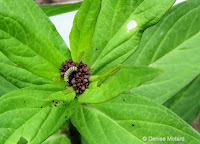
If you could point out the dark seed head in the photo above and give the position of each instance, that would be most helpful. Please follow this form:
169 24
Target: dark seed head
78 79
73 81
83 88
62 74
85 81
63 64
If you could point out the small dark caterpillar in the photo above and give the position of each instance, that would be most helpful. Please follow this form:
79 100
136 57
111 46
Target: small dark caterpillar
68 72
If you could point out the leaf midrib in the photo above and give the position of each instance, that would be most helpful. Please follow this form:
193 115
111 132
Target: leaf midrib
12 18
152 60
167 126
168 32
79 36
47 116
156 31
101 113
86 123
22 125
114 37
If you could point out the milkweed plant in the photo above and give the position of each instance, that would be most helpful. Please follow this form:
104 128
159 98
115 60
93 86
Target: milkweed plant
131 75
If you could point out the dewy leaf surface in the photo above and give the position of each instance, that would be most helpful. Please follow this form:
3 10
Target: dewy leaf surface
127 78
30 48
100 29
172 45
186 103
51 10
112 122
27 113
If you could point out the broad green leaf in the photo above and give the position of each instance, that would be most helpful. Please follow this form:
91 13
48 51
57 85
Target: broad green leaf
16 75
6 86
64 95
101 29
172 45
127 78
186 103
51 10
127 119
27 113
57 139
33 16
83 28
30 48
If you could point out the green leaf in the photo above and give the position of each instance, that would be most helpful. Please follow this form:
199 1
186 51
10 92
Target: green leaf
172 45
57 139
37 19
100 29
186 103
64 95
83 28
27 113
17 75
51 10
127 119
31 50
127 78
6 86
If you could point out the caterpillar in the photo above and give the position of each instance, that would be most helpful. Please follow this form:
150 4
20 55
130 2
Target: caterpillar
68 72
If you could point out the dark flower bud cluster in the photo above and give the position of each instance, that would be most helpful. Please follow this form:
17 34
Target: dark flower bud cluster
78 79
